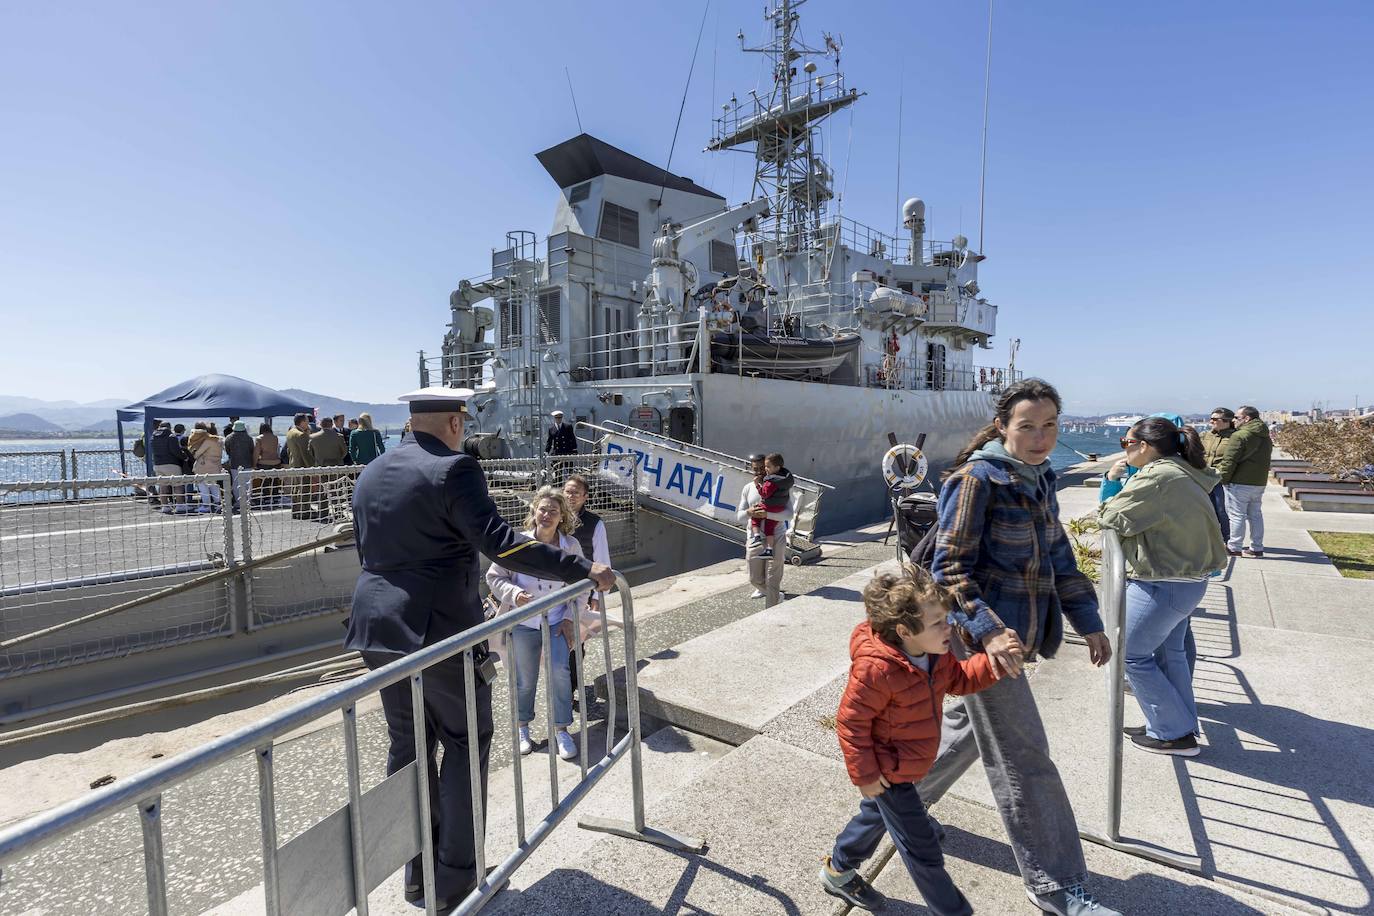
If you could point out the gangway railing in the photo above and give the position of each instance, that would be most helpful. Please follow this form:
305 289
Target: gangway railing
331 867
711 508
1113 609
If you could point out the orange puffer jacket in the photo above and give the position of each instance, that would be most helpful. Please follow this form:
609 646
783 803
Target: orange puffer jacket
889 718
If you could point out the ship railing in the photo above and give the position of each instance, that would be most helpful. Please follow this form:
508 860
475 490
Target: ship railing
659 349
806 90
61 467
333 865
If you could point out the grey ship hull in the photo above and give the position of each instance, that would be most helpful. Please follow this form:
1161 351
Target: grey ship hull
837 434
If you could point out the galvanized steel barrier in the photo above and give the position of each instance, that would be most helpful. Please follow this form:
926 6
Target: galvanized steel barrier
332 866
1112 591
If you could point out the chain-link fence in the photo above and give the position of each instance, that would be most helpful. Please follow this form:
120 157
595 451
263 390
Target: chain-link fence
291 508
61 561
512 482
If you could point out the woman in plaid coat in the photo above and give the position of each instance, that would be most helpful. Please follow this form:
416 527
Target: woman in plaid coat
1001 549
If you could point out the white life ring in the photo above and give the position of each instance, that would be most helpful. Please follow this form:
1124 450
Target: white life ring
912 459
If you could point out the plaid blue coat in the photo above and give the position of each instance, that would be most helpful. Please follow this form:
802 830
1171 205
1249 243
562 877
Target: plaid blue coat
1002 550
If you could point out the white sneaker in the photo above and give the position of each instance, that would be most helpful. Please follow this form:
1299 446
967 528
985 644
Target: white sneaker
756 593
525 744
567 748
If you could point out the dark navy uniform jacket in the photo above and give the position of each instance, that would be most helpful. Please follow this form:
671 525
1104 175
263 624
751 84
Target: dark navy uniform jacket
422 513
561 440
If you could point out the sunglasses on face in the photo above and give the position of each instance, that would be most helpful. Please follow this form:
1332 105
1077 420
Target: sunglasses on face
1127 442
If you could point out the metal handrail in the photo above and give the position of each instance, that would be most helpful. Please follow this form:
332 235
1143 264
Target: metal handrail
1113 607
145 789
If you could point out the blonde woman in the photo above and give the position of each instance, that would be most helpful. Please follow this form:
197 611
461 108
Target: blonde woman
551 520
365 443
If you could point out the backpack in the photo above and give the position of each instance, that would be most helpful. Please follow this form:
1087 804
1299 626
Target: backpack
285 455
140 450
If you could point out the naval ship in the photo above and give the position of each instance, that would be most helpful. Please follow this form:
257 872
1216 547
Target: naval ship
768 325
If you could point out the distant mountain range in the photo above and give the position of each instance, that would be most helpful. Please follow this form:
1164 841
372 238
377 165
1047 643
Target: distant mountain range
23 415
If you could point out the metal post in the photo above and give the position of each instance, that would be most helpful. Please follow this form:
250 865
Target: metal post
246 480
62 459
581 689
267 810
547 639
511 690
421 728
226 507
479 833
355 810
1113 588
154 865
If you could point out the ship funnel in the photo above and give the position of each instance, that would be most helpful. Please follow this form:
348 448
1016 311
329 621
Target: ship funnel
914 218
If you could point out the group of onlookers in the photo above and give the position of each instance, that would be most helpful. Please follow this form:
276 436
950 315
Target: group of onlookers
989 591
332 442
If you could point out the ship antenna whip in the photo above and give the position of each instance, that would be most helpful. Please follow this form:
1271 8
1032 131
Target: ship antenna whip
901 97
681 108
983 172
574 100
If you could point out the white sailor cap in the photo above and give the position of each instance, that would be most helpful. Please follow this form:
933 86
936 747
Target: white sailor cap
438 399
556 413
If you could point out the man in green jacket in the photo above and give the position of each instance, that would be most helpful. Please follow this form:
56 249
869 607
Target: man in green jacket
1244 469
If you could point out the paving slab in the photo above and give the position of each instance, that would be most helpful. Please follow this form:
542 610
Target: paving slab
1278 802
730 682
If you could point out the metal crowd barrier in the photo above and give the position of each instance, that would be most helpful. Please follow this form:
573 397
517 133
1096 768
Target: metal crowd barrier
1112 589
333 865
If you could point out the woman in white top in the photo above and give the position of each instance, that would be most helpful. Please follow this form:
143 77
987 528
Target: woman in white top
551 520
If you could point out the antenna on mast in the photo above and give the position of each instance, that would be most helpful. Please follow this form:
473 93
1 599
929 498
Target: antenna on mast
983 171
574 100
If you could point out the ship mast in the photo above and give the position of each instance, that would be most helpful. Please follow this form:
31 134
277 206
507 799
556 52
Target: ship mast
788 167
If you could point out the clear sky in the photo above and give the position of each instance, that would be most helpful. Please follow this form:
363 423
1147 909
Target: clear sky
1179 195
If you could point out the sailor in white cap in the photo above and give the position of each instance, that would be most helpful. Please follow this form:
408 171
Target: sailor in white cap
422 513
561 439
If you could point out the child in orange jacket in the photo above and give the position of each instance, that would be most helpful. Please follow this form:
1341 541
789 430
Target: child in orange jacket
889 730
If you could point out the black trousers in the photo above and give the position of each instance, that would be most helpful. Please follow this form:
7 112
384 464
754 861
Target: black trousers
450 785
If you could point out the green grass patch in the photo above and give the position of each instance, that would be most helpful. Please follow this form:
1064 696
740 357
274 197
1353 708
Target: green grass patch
1353 554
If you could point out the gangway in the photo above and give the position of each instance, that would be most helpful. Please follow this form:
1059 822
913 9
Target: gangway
695 486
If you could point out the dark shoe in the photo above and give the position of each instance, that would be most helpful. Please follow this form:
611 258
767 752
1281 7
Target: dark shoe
415 892
766 553
1252 554
1232 553
856 891
1071 901
1179 747
1133 731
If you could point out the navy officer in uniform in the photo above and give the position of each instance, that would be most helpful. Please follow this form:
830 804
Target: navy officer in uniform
422 513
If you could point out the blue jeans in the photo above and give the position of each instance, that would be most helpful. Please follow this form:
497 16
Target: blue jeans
1157 621
527 643
900 812
1243 505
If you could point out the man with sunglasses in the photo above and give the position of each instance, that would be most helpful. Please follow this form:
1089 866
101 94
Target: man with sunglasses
1221 424
1244 469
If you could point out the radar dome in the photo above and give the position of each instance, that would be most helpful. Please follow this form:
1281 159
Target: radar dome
913 210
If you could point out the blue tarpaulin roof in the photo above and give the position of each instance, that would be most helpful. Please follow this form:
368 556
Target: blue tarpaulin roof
215 396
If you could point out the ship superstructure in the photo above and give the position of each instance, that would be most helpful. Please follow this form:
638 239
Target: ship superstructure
774 324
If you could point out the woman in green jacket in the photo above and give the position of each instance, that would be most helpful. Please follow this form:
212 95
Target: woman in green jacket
1172 543
365 443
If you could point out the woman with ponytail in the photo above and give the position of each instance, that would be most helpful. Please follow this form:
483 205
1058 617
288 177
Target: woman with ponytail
1172 543
1001 549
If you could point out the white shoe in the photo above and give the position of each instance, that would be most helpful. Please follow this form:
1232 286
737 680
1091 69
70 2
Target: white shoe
756 593
525 745
567 749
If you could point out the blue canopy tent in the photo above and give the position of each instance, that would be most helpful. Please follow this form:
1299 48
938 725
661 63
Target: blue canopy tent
204 396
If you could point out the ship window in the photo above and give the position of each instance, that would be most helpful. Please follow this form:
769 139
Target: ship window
580 192
723 258
619 224
551 316
510 323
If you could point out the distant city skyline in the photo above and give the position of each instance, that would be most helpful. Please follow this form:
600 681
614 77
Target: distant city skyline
1177 214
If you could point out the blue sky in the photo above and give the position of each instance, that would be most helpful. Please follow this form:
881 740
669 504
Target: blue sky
1178 212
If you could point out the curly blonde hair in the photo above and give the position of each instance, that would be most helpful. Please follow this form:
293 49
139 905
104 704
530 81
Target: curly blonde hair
897 599
568 524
